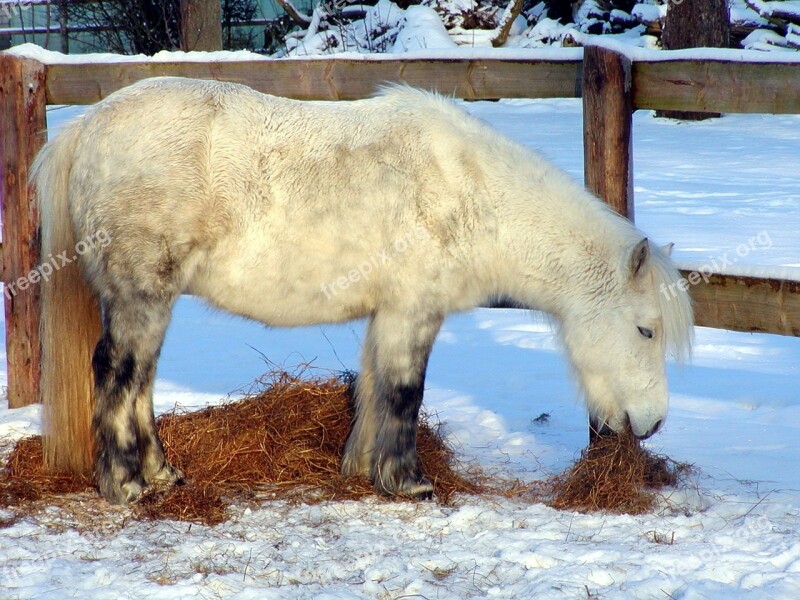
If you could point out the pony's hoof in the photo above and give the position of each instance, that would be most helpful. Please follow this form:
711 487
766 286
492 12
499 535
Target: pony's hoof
167 476
123 494
412 489
420 490
132 491
352 466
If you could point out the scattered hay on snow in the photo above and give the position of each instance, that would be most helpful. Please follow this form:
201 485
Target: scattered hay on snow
285 441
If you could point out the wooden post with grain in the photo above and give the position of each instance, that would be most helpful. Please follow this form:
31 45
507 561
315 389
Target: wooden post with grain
608 126
23 125
607 137
201 25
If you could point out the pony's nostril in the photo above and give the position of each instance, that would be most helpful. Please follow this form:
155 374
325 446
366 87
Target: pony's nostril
652 430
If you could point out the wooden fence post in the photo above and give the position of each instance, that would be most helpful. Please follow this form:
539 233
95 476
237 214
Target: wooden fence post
23 124
607 136
607 127
201 25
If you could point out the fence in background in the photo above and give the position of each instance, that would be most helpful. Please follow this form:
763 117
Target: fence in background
611 84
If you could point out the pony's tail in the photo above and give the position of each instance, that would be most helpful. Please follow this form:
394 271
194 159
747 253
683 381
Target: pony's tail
70 323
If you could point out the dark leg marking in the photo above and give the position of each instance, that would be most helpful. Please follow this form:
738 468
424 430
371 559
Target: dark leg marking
155 468
117 464
403 361
396 468
129 453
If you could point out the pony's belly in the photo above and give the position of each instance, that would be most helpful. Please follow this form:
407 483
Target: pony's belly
278 305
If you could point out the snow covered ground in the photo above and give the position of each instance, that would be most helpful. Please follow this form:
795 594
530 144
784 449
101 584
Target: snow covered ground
721 190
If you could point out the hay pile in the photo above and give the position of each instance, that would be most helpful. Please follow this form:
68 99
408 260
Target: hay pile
285 440
26 480
615 474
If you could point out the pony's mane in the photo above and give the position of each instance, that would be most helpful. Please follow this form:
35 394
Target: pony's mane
674 304
405 93
405 97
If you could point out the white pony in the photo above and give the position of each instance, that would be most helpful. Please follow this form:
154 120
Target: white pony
399 209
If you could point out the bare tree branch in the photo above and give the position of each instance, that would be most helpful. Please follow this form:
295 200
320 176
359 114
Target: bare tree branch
510 14
295 14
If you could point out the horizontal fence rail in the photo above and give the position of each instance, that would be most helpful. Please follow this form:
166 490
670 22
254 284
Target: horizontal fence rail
717 86
332 79
612 85
742 303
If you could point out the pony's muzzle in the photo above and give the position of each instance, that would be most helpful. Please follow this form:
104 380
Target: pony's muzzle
600 428
639 432
651 431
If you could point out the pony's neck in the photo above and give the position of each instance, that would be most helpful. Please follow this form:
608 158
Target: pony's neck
558 242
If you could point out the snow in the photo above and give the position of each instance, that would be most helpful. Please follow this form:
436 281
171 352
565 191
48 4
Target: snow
732 268
50 57
784 7
720 189
764 40
425 38
423 30
647 13
543 33
621 45
506 15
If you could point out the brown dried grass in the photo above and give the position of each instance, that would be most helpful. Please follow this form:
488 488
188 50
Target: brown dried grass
615 474
285 439
27 480
284 442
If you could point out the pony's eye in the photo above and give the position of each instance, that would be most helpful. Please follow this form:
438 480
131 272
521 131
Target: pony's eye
648 333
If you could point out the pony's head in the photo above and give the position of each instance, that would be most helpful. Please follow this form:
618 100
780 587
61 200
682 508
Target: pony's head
628 312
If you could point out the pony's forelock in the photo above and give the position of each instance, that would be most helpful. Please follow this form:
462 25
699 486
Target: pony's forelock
674 303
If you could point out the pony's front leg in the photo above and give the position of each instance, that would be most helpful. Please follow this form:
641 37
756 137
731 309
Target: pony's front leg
401 344
357 458
395 470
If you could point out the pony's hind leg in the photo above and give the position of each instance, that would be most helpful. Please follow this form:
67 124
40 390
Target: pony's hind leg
155 468
385 435
129 454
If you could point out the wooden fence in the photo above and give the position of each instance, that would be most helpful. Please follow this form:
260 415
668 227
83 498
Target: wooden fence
612 87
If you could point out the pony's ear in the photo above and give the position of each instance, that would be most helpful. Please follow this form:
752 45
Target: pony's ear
668 248
639 255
